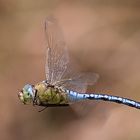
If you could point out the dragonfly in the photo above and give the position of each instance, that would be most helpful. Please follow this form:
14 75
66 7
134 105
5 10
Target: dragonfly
62 86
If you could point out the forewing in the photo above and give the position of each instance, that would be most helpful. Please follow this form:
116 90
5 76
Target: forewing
57 57
58 68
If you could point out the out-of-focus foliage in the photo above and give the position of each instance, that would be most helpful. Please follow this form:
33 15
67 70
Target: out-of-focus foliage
103 36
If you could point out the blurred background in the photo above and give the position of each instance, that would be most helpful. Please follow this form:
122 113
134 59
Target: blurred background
103 36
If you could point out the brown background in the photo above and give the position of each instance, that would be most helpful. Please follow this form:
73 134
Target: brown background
102 35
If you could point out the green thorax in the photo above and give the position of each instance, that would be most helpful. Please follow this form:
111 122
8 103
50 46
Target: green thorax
50 95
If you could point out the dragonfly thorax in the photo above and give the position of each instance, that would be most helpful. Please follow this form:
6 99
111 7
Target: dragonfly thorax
49 94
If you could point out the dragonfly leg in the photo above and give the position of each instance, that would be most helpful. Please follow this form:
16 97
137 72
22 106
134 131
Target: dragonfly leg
53 105
35 99
42 109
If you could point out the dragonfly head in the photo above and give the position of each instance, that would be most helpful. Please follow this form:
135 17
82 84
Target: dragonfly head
26 95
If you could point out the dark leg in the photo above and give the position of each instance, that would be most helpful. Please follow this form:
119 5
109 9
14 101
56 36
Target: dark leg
34 100
42 109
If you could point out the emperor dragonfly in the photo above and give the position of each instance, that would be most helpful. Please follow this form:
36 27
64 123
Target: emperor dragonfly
60 88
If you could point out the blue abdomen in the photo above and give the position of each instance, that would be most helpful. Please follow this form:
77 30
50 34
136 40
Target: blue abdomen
75 96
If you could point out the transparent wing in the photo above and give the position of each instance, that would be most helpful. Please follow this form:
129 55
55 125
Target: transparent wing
57 57
80 81
59 70
87 78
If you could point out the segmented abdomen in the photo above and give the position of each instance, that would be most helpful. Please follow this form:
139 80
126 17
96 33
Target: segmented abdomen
75 96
